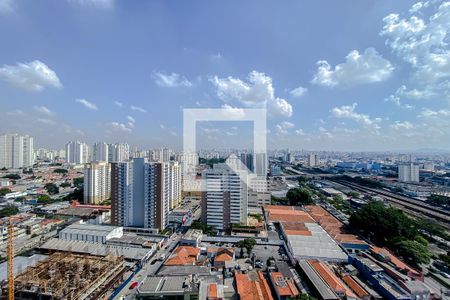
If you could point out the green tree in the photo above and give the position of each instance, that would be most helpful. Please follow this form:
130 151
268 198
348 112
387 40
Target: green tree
4 191
383 225
413 252
353 194
45 199
60 171
207 229
247 243
299 196
65 184
51 188
78 182
12 176
8 210
431 227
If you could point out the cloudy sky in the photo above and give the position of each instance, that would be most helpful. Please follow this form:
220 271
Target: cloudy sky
333 75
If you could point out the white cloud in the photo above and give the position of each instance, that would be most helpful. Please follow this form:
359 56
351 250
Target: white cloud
46 121
348 112
422 44
406 125
6 6
283 127
43 110
120 127
172 80
367 67
137 108
95 3
31 76
87 104
414 93
396 100
300 131
429 113
16 112
118 104
131 119
257 92
233 112
298 92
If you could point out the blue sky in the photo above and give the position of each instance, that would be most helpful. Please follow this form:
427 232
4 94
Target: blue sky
333 75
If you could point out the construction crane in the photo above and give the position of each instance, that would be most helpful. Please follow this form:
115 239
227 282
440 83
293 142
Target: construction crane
10 254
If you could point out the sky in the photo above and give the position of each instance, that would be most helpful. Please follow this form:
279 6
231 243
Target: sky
333 75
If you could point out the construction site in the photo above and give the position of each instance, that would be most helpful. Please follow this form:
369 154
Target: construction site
70 276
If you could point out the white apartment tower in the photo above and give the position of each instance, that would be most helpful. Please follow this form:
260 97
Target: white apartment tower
118 152
408 173
140 194
97 182
100 152
174 184
313 160
225 200
77 152
16 151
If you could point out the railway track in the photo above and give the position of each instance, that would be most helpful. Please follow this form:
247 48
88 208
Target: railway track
411 204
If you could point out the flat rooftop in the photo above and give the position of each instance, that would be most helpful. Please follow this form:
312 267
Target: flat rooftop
167 285
97 249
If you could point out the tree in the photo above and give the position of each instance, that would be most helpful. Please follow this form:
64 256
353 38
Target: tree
302 180
4 191
207 229
78 182
64 184
60 171
431 227
413 252
45 199
12 176
299 196
247 243
353 194
8 210
383 225
51 188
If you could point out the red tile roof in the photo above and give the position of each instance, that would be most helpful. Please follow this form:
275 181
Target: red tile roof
253 290
285 287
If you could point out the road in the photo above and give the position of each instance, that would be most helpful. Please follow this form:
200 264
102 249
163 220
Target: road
148 268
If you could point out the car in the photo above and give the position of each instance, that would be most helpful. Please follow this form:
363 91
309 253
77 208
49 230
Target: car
133 285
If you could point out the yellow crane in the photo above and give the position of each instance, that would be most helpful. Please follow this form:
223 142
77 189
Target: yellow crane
10 254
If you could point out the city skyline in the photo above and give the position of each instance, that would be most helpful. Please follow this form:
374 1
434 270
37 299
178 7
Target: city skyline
116 72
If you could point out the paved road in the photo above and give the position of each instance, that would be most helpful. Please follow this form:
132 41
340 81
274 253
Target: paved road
148 268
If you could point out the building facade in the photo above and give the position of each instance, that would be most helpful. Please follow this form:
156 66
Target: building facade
140 194
77 153
97 182
408 173
16 151
225 200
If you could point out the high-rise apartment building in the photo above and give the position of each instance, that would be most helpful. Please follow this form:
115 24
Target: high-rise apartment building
313 160
225 200
140 194
174 184
16 151
100 152
77 152
97 182
408 173
247 160
119 152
